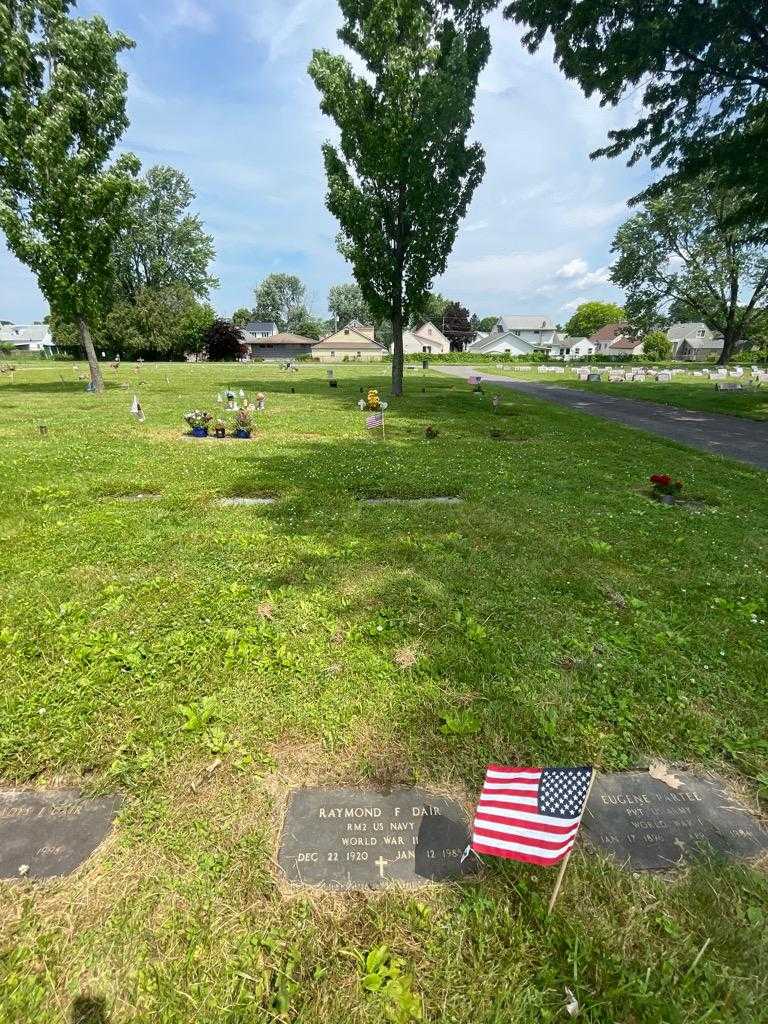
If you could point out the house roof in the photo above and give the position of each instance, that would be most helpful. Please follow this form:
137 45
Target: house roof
715 344
626 344
526 323
353 336
677 332
493 339
24 334
428 332
260 326
284 338
610 332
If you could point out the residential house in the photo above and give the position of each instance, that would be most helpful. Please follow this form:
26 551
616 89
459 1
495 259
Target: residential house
537 331
277 346
694 341
610 340
427 340
261 328
28 338
355 341
568 349
506 343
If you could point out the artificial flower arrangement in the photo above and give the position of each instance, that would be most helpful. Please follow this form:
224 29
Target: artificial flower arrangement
220 428
244 421
261 401
199 421
663 486
373 401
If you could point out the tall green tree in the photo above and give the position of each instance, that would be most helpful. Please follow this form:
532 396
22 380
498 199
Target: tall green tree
281 299
346 302
402 175
656 346
431 308
242 315
687 247
163 244
699 68
62 111
591 316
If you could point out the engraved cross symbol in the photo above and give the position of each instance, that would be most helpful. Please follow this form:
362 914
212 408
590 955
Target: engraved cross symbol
381 864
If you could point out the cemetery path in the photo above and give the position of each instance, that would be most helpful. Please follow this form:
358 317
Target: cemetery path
733 438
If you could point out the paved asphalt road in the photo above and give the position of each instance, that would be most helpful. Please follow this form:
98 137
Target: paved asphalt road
729 436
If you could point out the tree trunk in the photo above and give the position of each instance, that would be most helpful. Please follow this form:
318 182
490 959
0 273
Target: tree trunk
90 353
731 339
397 353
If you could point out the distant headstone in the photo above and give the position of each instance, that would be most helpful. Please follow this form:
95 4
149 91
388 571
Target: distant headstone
664 377
646 825
329 374
45 834
728 385
359 839
594 378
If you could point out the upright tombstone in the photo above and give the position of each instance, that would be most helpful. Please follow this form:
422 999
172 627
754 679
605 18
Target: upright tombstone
594 378
647 824
664 377
365 839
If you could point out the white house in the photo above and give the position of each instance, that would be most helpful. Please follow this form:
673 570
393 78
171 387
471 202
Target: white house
567 349
506 343
538 331
428 339
355 341
28 338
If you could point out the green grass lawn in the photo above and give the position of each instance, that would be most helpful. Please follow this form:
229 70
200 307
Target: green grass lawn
202 660
687 393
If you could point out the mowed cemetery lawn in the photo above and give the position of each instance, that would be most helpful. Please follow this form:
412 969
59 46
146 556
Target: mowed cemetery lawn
684 392
201 660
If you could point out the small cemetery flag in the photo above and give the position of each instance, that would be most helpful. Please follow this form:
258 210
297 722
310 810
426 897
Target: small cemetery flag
136 410
474 381
377 420
530 814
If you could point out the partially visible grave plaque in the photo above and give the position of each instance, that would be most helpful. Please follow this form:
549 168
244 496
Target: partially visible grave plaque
47 834
648 826
359 839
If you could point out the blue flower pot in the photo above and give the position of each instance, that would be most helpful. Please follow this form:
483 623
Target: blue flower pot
199 431
244 434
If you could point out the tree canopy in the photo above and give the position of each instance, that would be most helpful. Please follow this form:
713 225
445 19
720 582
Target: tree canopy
657 346
456 326
684 247
487 323
222 341
346 303
402 175
699 68
62 111
281 299
591 316
163 244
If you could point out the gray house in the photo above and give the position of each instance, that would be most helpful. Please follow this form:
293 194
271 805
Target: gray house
277 346
694 341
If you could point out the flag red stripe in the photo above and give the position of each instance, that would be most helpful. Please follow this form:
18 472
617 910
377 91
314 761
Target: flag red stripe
510 805
513 771
527 858
541 824
517 837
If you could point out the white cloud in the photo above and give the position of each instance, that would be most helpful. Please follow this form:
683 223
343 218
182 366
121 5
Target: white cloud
574 303
574 268
182 14
595 277
479 225
593 215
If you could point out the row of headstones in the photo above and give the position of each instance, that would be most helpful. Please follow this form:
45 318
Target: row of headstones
357 839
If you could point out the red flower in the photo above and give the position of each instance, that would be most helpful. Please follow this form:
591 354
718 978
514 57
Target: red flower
661 479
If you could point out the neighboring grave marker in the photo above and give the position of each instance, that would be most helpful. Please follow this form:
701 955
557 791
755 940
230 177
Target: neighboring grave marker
362 839
649 826
51 833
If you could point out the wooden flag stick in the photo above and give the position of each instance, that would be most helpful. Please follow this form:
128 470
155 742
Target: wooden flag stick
567 857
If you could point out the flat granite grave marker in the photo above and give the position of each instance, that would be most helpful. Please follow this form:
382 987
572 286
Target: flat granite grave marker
48 834
361 839
644 823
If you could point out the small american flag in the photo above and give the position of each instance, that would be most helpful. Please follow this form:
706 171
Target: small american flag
530 814
377 420
475 381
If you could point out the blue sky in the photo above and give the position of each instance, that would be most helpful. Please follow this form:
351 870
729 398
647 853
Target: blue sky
218 88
